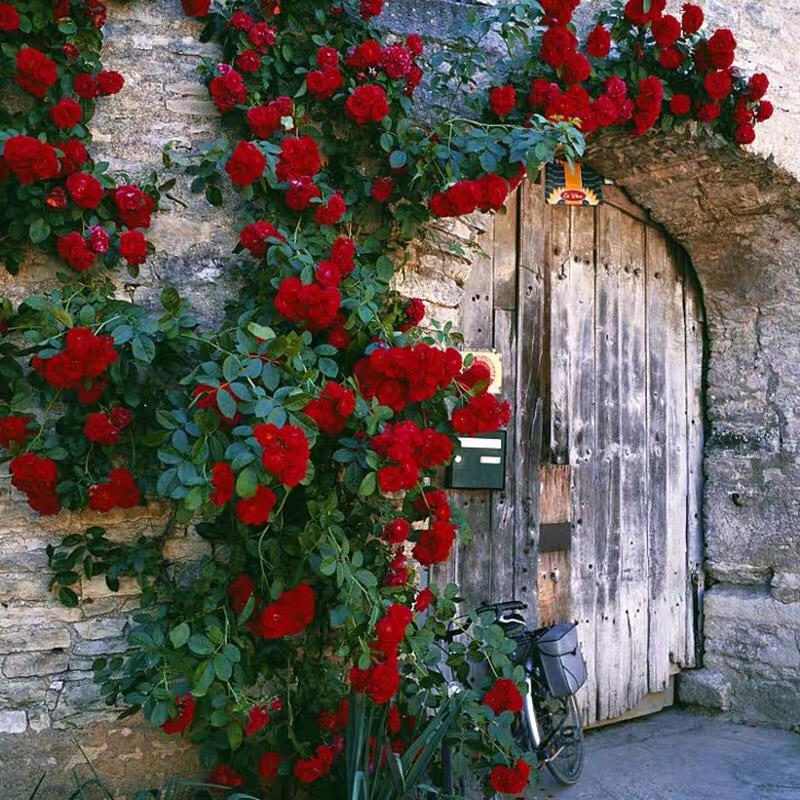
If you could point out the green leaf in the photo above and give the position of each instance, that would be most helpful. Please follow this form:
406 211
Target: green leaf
246 483
179 635
222 666
200 645
38 231
367 486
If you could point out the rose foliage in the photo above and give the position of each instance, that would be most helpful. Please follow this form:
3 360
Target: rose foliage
303 437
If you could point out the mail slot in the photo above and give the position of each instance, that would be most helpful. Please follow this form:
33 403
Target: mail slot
479 462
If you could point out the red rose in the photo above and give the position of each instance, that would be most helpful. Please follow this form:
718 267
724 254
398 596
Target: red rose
367 103
133 247
133 206
195 8
71 51
72 248
342 254
721 47
670 58
598 42
510 780
66 113
367 54
227 89
300 193
109 82
268 765
85 190
370 8
382 683
335 720
122 483
332 211
692 18
102 497
262 35
299 158
557 43
253 237
246 164
96 12
184 714
29 159
541 91
327 56
680 104
396 531
482 414
650 94
575 69
285 451
223 775
9 18
289 615
744 134
255 510
502 99
308 770
666 30
313 306
503 696
765 111
323 83
248 61
106 427
264 120
332 408
73 156
434 543
757 85
717 84
13 430
257 718
708 112
240 590
85 85
396 61
635 12
414 312
414 44
424 599
391 628
222 479
36 73
459 199
242 21
381 189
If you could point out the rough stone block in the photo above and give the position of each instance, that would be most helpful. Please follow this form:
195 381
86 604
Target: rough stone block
102 627
13 722
19 639
24 665
704 688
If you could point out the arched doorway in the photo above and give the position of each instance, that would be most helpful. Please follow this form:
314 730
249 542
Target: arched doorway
597 318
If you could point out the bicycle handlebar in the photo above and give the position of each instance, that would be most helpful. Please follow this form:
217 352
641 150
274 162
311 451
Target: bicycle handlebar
508 605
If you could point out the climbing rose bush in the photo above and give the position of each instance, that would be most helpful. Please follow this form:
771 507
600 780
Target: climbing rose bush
302 438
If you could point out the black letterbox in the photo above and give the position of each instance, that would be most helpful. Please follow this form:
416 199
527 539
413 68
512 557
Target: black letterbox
479 462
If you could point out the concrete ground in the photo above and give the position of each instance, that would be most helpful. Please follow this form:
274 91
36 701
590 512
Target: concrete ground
682 755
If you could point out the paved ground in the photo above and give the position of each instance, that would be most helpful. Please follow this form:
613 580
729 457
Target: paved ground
680 755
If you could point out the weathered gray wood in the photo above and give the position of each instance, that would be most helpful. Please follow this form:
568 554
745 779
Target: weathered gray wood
559 265
613 656
555 493
633 594
580 343
658 292
530 385
694 449
505 256
675 370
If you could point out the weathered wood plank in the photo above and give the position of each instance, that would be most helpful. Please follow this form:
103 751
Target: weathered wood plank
612 653
677 460
529 388
559 265
580 344
658 269
633 604
694 449
505 256
553 586
555 493
470 565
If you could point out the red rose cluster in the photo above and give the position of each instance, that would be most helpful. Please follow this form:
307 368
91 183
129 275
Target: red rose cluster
410 449
30 159
13 430
266 119
255 510
487 193
380 681
483 413
307 770
435 542
37 477
310 305
105 427
184 714
119 491
224 775
289 615
413 313
245 164
227 88
284 453
80 364
398 376
332 408
367 103
35 72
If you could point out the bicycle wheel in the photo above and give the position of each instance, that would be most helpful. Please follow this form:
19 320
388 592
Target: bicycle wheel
564 753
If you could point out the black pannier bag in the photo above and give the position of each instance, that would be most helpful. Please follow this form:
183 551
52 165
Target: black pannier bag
559 657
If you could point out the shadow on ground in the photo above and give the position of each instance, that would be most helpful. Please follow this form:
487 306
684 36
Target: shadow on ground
681 755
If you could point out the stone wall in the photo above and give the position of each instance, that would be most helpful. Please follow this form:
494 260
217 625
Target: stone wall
737 216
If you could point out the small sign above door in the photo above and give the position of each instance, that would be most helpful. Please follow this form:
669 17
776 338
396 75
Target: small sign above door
575 185
492 360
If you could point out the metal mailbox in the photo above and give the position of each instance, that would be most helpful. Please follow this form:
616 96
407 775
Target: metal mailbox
479 462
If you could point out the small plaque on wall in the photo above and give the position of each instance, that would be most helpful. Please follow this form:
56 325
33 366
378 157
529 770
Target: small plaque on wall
575 185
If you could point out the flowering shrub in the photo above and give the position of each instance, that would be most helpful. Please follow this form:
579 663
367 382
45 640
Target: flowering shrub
302 436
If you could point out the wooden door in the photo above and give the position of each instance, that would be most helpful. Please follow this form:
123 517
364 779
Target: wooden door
598 320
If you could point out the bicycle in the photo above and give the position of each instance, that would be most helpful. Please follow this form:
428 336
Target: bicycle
549 725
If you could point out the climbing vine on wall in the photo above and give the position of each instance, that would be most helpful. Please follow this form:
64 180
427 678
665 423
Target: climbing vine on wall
303 437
